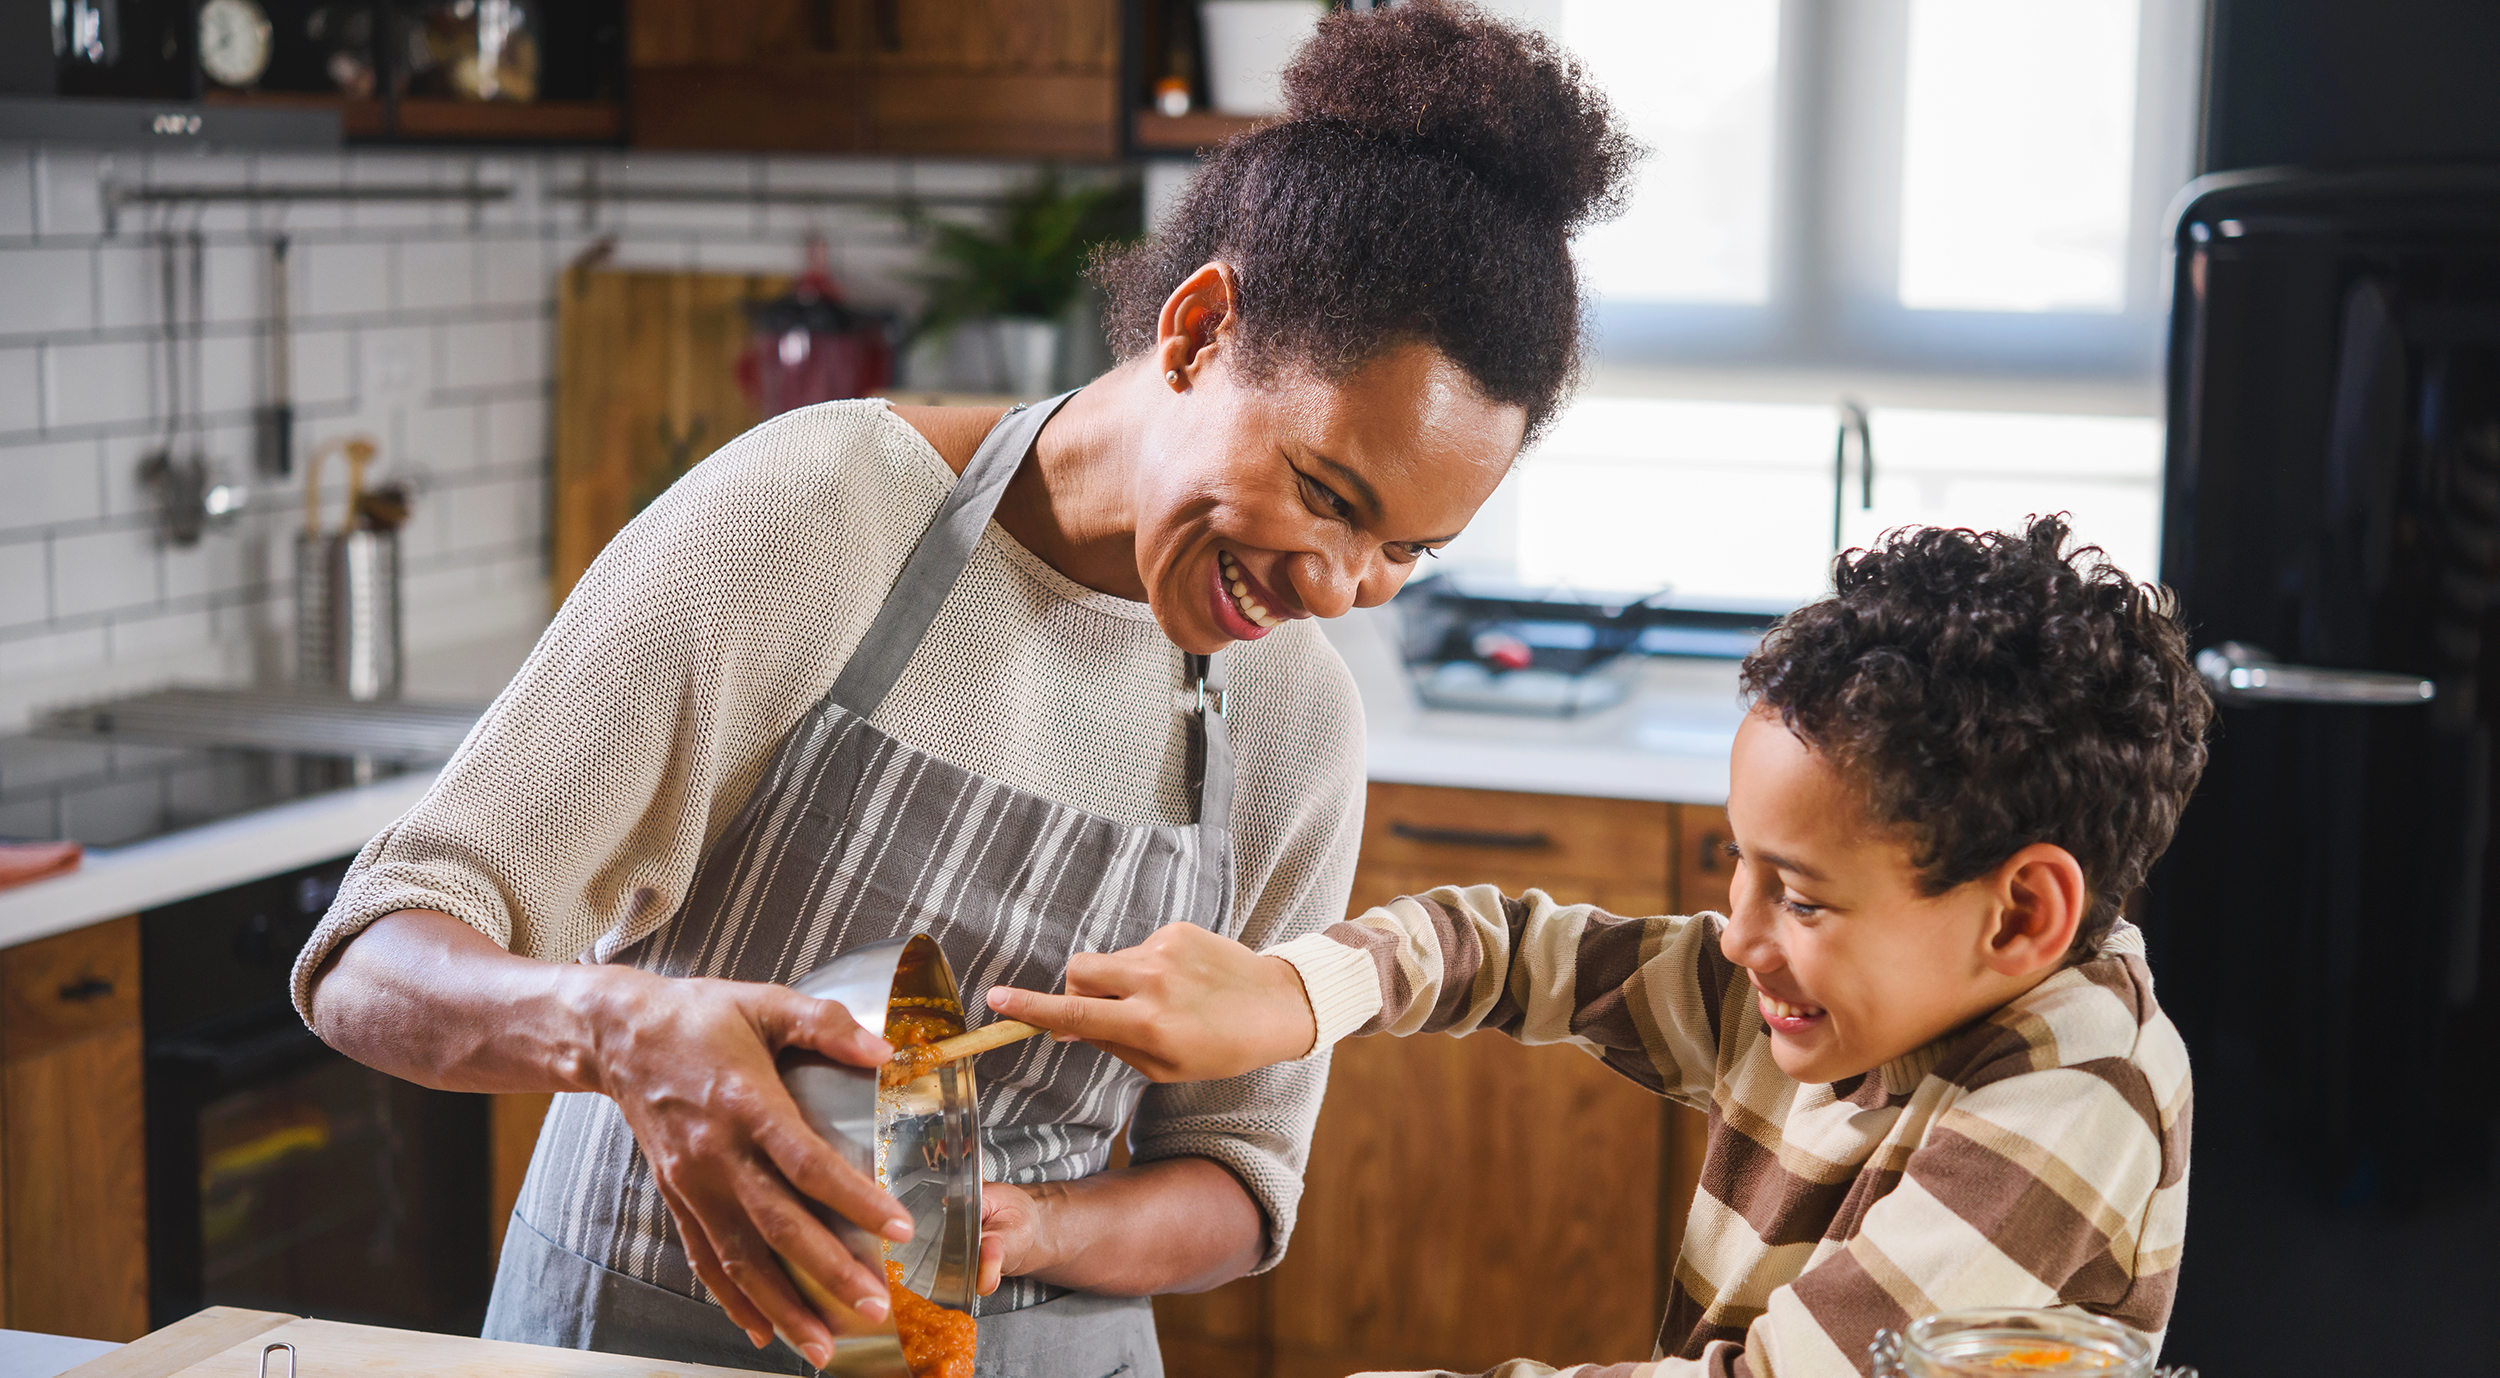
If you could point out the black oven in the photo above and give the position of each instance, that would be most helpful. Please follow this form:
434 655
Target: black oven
281 1175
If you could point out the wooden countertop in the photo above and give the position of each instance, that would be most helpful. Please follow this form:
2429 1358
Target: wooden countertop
226 1342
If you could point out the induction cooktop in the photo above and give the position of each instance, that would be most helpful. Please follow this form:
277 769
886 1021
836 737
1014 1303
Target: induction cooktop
111 794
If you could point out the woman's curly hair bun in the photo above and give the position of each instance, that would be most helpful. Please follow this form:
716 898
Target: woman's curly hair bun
1501 100
1422 187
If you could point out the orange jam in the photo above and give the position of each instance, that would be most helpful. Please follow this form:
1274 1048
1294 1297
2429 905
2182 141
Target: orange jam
938 1341
911 1032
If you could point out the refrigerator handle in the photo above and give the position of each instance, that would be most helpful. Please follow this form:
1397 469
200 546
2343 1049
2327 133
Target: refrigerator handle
2241 673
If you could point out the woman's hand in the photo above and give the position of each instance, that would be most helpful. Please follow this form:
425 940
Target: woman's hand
1010 1234
1184 1005
1173 1225
690 1064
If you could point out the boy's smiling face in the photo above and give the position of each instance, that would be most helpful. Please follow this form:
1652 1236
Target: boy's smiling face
1854 965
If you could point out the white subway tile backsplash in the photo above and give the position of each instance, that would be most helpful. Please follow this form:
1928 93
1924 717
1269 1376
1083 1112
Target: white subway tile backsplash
394 364
191 632
48 485
513 271
21 389
299 170
67 189
503 353
97 384
223 561
443 437
44 655
231 373
516 432
323 365
17 192
782 256
425 324
104 571
44 290
344 278
369 168
25 584
437 274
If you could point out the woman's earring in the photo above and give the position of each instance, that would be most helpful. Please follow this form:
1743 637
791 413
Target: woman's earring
1172 379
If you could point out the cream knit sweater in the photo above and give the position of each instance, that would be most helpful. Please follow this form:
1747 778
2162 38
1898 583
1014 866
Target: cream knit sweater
569 823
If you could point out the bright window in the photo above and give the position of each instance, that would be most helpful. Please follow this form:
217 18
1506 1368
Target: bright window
2017 144
1950 210
1696 81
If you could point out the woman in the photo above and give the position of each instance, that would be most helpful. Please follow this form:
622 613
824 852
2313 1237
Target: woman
815 697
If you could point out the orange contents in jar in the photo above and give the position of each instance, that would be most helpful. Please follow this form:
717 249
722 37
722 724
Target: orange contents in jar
938 1341
912 1032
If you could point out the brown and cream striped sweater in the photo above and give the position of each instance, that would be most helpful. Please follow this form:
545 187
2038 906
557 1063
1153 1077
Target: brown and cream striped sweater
2035 1158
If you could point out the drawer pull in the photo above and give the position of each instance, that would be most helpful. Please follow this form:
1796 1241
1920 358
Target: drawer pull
1713 853
87 988
1470 837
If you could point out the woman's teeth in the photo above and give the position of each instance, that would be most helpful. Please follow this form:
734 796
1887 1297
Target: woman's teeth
1781 1009
1250 607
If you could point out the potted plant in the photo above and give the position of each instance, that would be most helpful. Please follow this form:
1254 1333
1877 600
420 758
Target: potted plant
1011 281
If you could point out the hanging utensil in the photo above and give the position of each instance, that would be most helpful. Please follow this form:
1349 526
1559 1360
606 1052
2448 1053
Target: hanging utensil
178 473
277 416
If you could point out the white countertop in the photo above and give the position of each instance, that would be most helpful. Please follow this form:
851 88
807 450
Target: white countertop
114 881
1668 740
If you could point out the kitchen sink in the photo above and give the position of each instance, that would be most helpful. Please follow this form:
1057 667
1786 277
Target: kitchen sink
274 719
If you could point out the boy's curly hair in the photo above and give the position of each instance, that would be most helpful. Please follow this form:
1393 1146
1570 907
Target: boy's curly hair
1989 691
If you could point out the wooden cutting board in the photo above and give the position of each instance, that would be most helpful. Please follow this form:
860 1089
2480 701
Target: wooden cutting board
223 1342
646 384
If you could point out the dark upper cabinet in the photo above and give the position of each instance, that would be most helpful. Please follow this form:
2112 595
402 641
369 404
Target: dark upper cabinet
1019 78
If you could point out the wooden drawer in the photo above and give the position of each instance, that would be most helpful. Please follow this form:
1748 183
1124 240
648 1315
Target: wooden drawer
1703 869
60 989
1464 836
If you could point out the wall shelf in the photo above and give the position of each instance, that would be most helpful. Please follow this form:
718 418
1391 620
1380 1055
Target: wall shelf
428 120
1153 132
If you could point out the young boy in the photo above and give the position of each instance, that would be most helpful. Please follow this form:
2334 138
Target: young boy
1934 1069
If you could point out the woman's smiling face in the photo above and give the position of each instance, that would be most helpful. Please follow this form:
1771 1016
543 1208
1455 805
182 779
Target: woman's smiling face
1259 502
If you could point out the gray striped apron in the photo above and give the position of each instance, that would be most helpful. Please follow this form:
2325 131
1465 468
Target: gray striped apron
853 837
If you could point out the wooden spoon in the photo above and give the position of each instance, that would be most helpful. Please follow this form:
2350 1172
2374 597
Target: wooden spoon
909 1064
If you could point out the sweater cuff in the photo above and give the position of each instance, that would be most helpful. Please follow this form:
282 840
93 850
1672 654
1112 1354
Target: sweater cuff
1342 984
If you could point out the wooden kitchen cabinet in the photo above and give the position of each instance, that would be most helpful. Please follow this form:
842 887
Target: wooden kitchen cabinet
73 1149
997 78
1474 1200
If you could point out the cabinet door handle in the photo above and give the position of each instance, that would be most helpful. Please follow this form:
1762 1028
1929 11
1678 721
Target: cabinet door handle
1470 837
87 988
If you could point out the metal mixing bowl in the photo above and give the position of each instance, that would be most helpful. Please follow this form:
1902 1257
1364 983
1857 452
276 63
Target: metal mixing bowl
931 1131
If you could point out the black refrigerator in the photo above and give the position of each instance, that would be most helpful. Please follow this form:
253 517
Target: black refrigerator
2322 929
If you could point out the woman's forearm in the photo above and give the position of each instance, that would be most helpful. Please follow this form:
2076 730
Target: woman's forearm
427 998
1177 1225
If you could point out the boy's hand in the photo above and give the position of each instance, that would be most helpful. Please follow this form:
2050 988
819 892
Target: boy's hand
1184 1005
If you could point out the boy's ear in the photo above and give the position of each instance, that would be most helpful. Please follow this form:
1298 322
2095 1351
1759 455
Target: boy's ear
2041 898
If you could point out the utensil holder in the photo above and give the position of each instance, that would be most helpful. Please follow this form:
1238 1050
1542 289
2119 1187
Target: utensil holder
347 613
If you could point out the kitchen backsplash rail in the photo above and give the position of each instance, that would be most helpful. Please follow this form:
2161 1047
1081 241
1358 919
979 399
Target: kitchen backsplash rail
116 195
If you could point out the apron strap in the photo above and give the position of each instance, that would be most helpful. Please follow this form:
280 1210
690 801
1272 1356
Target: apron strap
939 560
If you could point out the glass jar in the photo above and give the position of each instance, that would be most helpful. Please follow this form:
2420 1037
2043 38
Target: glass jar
1994 1342
474 50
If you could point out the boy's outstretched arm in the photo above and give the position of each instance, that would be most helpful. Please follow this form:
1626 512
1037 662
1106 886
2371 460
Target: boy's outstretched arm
2061 1187
1640 994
